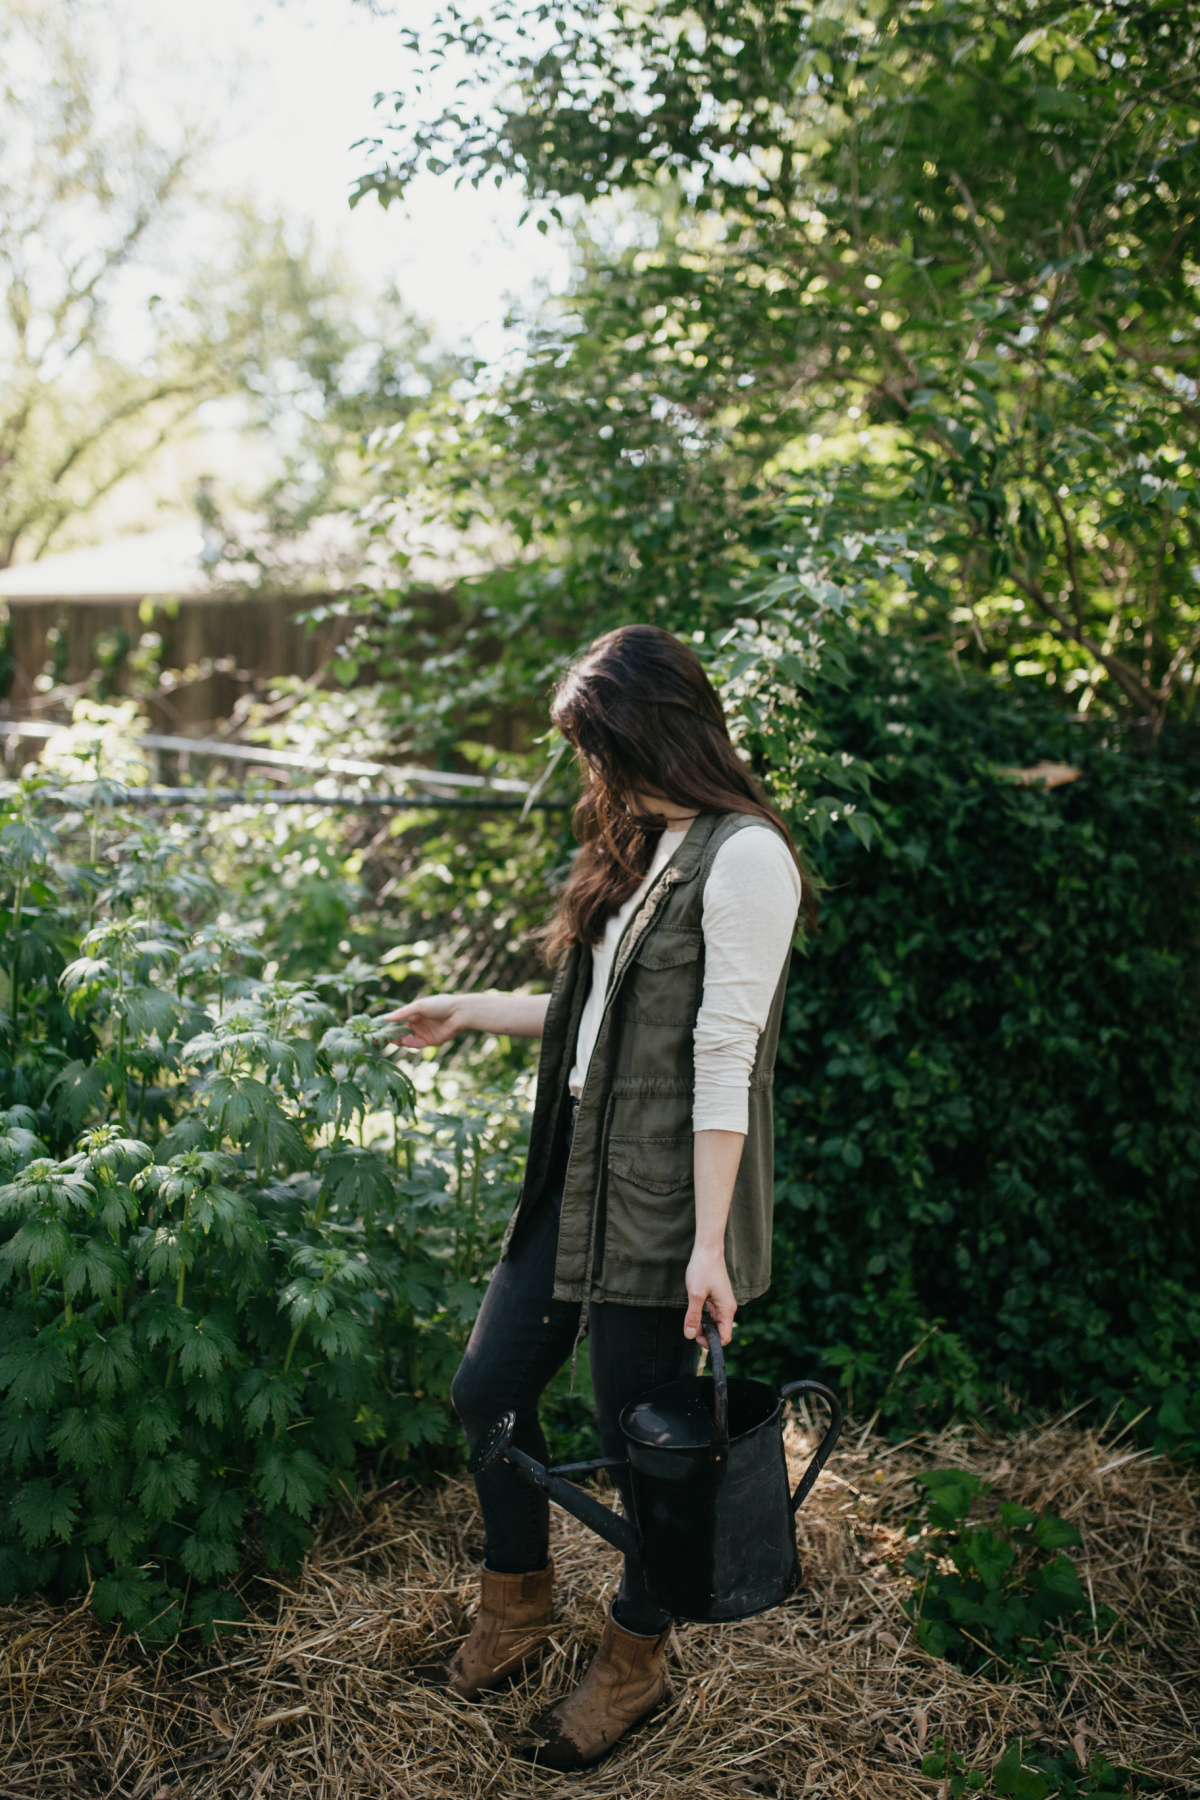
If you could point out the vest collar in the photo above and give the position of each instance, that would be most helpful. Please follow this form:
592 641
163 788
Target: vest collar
687 859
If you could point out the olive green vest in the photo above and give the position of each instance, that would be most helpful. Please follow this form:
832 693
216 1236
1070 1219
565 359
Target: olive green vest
628 1208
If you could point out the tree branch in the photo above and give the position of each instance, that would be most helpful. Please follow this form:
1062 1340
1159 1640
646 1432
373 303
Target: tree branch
1126 679
1072 567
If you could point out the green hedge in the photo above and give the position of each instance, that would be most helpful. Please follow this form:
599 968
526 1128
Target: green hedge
988 1091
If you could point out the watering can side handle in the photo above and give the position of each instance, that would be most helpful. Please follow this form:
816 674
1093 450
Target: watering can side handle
824 1449
719 1448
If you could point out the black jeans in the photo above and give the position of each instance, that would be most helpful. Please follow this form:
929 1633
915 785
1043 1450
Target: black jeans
522 1337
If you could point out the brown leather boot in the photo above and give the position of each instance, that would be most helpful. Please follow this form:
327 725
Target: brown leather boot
623 1686
510 1628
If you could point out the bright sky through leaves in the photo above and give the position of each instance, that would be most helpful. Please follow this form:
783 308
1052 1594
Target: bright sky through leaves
285 91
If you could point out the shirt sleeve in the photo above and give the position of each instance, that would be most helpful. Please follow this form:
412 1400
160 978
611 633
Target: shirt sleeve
751 901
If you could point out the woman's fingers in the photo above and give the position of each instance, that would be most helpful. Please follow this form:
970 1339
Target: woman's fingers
708 1285
417 1031
691 1323
425 1022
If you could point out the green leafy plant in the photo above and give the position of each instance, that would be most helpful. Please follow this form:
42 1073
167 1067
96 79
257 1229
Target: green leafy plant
997 1605
238 1260
1029 1774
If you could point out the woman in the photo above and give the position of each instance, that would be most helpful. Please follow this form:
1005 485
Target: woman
648 1186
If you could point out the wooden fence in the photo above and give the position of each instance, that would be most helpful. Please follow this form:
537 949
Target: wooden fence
213 650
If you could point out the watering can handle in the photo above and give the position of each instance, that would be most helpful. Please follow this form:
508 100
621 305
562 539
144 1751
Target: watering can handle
825 1447
719 1448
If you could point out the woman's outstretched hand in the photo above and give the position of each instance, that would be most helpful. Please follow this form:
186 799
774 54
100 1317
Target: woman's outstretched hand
708 1285
435 1018
431 1020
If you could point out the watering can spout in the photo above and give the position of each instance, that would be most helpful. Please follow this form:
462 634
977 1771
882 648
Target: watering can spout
497 1445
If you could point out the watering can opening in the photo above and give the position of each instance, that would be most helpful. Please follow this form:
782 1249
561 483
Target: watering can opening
683 1415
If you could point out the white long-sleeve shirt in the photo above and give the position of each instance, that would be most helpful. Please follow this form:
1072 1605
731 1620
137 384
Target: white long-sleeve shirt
751 901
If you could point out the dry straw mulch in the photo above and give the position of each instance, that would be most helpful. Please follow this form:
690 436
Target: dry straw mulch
826 1696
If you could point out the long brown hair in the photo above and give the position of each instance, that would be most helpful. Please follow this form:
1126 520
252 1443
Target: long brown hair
641 714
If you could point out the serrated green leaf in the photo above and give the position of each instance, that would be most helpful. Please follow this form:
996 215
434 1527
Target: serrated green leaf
165 1482
94 1265
110 1363
41 1246
209 1557
35 1370
217 1612
341 1334
269 1397
292 1479
1060 1590
155 1425
121 1529
87 1438
43 1509
22 1435
222 1511
127 1594
206 1347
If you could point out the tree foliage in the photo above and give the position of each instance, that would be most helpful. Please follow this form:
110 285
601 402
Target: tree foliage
949 253
113 331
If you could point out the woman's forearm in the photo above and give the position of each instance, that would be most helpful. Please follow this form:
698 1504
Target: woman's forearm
504 1015
716 1158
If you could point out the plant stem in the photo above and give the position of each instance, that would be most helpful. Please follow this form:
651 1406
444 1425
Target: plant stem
122 1101
18 902
93 839
291 1349
187 1207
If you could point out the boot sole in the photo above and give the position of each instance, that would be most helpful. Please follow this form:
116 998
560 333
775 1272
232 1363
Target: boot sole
534 1753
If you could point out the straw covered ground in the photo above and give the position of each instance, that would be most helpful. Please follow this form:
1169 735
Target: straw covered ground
828 1695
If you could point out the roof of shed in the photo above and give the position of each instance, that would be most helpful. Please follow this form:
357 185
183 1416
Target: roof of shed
186 562
167 561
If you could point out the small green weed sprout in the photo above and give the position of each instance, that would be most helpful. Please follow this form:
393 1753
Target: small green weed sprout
1029 1774
984 1596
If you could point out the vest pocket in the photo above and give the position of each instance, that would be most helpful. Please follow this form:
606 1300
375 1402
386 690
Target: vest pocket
658 1164
662 987
651 1215
670 947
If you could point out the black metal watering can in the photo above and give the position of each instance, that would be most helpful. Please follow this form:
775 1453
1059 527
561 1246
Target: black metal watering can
713 1522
